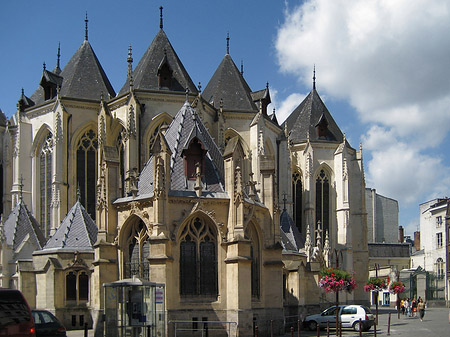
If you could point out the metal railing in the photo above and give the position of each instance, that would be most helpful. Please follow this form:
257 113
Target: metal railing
203 328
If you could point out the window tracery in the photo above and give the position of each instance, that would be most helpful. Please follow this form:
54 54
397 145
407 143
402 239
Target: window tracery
45 183
87 170
198 259
323 201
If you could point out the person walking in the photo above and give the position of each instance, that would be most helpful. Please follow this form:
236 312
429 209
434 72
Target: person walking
407 307
414 307
421 307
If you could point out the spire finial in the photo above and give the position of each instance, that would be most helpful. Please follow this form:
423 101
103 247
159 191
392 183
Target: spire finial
187 94
284 201
23 92
242 68
267 85
314 78
44 66
161 17
86 27
199 87
130 60
78 193
58 56
21 187
228 43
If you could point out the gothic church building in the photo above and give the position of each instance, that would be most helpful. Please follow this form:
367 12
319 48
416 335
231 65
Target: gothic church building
203 191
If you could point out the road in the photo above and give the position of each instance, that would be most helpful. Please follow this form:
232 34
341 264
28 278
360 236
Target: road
435 324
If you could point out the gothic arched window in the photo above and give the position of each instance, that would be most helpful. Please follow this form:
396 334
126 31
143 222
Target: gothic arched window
77 286
254 255
45 183
154 133
323 201
87 170
198 259
297 191
121 151
138 252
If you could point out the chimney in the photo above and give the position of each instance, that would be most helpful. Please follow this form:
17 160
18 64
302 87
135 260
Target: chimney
417 240
401 234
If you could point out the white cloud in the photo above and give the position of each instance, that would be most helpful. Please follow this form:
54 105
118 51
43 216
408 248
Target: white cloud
286 106
390 61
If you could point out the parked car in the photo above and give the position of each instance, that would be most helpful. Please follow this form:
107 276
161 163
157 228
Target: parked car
47 324
349 315
15 314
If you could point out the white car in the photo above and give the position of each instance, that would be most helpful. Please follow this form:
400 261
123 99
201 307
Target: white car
349 316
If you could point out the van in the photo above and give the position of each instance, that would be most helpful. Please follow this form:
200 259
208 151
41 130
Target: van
15 315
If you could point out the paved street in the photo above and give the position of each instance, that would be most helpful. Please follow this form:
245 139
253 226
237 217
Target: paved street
435 324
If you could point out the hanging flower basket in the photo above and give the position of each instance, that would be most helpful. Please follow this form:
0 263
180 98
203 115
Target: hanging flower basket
375 284
334 280
397 287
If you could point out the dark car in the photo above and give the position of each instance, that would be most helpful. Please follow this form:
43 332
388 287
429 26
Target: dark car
15 314
47 324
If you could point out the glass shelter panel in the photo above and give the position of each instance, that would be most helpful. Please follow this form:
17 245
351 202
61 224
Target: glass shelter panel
133 308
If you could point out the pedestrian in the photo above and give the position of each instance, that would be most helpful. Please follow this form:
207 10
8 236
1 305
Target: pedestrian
414 307
407 307
421 307
402 306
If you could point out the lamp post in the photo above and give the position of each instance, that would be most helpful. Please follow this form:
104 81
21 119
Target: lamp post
376 294
337 253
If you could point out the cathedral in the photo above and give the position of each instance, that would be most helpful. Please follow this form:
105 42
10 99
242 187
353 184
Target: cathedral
202 191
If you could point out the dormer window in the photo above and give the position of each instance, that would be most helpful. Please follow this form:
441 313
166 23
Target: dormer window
322 128
164 76
50 83
193 155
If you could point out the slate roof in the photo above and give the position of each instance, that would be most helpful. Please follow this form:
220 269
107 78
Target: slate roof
145 75
291 238
83 77
21 223
306 116
186 126
3 119
227 84
77 231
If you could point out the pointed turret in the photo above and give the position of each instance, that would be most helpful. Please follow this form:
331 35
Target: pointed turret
21 226
82 77
77 231
160 69
312 118
228 85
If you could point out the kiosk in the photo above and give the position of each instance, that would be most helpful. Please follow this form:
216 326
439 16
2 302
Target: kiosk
134 308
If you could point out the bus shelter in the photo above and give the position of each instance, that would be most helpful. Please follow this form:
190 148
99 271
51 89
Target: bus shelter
134 307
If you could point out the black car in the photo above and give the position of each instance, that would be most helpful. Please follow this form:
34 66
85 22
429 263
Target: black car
47 324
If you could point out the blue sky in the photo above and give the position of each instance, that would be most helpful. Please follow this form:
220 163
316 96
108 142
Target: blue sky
382 67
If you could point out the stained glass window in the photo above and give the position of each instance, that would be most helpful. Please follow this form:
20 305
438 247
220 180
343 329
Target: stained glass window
45 183
297 190
87 170
198 259
138 252
323 201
